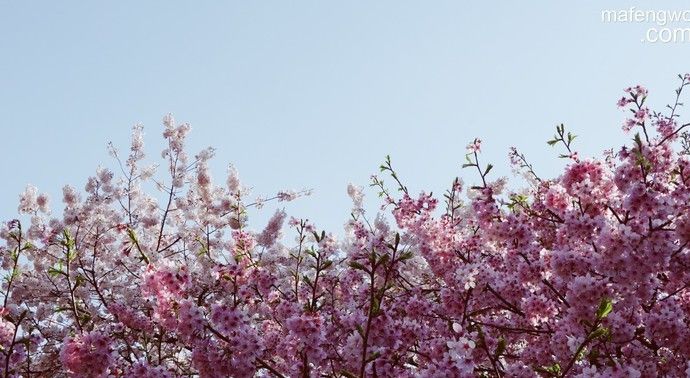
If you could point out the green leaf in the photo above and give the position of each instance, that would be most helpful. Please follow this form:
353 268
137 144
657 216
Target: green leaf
376 306
593 356
67 241
599 332
360 330
79 280
406 256
605 308
348 374
358 266
553 370
488 168
307 280
131 234
373 356
384 259
54 272
500 348
637 139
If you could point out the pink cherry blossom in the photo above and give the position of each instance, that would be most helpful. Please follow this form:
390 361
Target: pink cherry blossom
166 273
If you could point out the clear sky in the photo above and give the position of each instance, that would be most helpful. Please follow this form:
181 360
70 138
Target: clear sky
315 93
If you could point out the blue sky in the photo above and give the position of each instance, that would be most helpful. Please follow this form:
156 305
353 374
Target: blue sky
315 93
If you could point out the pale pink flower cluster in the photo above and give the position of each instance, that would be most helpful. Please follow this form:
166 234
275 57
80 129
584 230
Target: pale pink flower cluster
271 233
475 146
31 202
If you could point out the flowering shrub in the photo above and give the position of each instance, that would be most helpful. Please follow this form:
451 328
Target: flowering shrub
583 275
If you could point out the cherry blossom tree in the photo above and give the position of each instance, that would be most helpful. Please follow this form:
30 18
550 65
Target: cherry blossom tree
582 275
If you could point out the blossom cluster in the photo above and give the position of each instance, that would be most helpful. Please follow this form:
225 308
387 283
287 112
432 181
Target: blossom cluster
581 275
